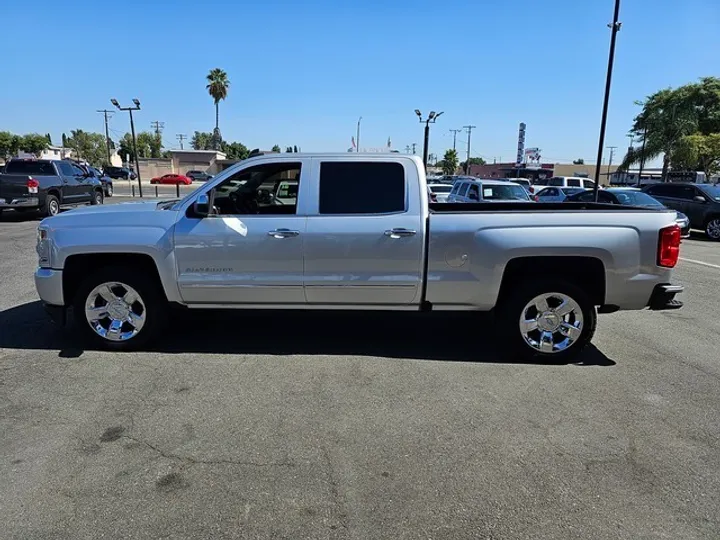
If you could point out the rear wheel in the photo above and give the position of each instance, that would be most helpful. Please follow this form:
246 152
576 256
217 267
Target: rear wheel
551 319
52 206
118 308
712 229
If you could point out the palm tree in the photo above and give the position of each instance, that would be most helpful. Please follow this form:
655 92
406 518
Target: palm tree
217 87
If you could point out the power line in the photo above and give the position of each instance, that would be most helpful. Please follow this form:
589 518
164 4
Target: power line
467 162
181 138
455 132
105 113
157 127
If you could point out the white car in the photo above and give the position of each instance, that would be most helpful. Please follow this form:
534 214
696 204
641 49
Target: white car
473 190
441 191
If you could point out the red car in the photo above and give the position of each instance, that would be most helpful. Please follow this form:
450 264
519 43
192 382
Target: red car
172 179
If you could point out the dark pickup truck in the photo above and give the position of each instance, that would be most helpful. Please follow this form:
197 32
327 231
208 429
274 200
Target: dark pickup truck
47 186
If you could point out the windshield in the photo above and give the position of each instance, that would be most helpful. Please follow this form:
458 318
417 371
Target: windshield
636 198
571 190
556 182
507 192
712 191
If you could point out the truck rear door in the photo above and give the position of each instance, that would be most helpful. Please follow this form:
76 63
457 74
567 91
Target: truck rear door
364 243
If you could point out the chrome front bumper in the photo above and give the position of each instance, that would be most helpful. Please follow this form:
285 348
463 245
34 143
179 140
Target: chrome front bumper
49 285
20 202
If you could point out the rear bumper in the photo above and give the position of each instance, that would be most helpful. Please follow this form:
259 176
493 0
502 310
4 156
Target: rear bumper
663 297
19 202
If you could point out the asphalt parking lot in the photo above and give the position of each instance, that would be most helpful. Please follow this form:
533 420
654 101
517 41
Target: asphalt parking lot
262 425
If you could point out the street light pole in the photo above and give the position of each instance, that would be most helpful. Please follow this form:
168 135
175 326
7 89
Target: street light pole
357 139
615 28
432 117
132 130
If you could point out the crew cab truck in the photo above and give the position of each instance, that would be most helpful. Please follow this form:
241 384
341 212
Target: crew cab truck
360 235
47 185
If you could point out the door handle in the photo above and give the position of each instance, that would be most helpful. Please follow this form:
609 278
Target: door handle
283 233
399 233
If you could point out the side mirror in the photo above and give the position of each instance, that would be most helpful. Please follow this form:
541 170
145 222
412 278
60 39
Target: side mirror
699 198
201 206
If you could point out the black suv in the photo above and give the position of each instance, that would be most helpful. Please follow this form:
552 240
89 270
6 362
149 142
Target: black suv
700 202
120 173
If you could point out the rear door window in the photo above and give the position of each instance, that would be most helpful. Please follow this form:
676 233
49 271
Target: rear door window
588 184
573 182
362 187
556 182
65 168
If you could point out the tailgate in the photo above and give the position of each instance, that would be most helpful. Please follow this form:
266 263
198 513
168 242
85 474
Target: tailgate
13 186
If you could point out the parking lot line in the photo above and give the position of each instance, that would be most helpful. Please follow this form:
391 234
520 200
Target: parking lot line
702 263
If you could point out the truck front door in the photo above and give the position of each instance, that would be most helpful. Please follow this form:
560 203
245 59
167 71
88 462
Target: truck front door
365 231
251 250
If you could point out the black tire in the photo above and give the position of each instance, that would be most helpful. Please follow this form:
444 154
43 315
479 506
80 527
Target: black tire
513 345
155 307
109 191
52 206
712 228
97 197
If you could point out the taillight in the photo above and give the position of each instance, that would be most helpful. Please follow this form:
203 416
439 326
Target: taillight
32 185
669 246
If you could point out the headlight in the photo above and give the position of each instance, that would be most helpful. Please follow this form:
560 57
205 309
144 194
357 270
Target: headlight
43 248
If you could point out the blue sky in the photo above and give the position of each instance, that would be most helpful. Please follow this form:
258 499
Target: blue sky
303 72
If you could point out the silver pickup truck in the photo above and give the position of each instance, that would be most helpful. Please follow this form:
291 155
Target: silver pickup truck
355 232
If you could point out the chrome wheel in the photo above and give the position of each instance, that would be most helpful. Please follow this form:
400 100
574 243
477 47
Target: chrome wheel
115 311
713 229
53 208
551 322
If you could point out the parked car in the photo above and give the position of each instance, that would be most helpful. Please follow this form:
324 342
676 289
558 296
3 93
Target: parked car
172 179
469 189
441 191
198 176
700 202
565 181
361 235
556 194
47 186
104 179
118 173
630 197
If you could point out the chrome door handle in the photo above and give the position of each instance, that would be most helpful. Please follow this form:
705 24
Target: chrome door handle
399 233
283 233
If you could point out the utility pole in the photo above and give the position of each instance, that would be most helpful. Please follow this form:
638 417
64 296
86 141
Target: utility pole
612 153
455 132
107 134
467 163
615 28
407 148
157 127
413 148
181 138
357 139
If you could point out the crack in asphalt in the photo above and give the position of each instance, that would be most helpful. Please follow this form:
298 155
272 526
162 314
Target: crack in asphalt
192 460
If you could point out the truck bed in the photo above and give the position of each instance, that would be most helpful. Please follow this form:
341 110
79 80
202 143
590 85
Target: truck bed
465 208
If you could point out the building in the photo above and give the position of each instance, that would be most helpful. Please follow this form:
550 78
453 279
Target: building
183 161
544 170
52 152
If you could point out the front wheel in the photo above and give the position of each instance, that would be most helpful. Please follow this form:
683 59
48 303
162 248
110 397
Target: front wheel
118 308
550 319
712 229
109 191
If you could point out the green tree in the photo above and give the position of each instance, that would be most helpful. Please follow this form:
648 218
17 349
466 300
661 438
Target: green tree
295 149
579 161
473 161
201 140
450 161
34 143
88 146
148 145
64 140
276 148
9 144
217 87
699 153
288 150
669 116
235 150
49 138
